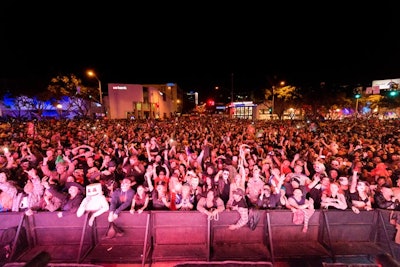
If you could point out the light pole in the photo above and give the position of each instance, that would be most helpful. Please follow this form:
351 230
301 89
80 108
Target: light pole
357 96
273 102
92 74
232 87
59 109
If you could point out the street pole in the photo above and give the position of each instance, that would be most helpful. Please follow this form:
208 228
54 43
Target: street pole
100 92
357 106
273 101
232 88
357 96
92 74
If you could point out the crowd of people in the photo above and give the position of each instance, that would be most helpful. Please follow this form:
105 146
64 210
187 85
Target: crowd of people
209 164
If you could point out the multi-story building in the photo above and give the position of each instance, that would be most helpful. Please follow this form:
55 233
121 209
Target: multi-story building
141 101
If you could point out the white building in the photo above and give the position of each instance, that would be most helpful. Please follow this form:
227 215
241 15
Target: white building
157 101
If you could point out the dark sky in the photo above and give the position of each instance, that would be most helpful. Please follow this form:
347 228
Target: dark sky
199 45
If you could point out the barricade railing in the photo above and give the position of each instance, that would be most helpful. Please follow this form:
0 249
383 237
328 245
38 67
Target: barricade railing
287 239
387 233
130 245
180 236
241 244
67 238
350 234
192 236
12 226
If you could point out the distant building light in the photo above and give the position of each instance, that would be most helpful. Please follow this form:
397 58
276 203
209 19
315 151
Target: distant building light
244 104
118 87
210 102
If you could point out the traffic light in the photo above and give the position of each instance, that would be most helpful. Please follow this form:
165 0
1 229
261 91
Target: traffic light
210 102
270 110
357 92
393 93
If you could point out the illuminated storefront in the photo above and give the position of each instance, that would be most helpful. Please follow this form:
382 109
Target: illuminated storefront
242 110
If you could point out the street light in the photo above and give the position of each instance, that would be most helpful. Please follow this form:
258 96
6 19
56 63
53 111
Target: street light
59 109
92 74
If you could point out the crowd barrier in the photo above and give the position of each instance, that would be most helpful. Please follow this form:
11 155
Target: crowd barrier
68 238
180 236
133 245
191 236
12 225
358 238
241 244
287 239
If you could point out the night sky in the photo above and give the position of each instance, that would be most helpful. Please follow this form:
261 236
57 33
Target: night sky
198 45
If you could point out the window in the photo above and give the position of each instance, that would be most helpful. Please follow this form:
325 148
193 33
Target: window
146 97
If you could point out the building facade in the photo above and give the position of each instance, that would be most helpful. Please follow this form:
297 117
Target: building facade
143 101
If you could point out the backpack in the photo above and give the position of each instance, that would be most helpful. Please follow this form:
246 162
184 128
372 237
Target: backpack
254 218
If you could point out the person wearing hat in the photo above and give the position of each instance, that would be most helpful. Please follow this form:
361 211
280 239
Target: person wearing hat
110 178
74 198
270 198
290 184
240 205
53 197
